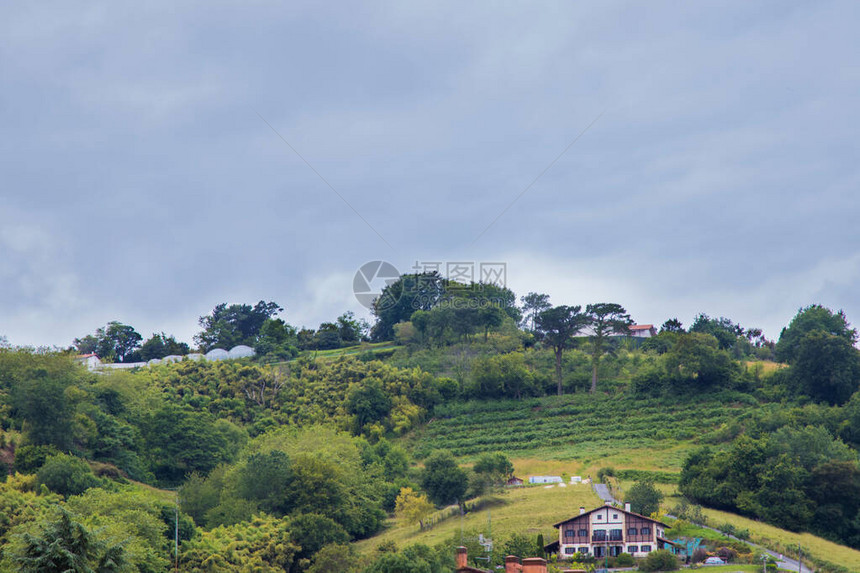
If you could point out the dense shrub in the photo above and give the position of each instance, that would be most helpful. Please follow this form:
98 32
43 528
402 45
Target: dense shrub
661 560
262 545
28 459
604 473
66 475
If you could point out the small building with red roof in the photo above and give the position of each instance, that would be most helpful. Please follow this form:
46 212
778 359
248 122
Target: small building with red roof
643 331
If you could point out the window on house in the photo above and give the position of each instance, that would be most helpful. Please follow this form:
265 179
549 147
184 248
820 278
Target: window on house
645 531
632 531
631 549
569 550
583 549
598 551
583 533
614 516
615 550
615 535
599 535
568 533
599 517
645 549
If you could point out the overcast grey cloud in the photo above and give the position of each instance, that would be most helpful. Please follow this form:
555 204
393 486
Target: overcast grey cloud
139 183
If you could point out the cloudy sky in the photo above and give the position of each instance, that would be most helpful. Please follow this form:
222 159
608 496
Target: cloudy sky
152 167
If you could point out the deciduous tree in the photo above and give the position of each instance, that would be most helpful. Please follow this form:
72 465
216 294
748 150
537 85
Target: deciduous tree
228 326
413 507
644 498
443 480
114 342
161 345
494 468
420 291
809 319
826 367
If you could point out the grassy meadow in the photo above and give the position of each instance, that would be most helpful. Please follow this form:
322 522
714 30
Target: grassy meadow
529 509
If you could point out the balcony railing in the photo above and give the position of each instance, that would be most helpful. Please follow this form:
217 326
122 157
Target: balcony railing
603 538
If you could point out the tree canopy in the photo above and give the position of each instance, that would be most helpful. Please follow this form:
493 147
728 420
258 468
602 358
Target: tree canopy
443 480
826 367
397 302
810 319
228 326
114 342
644 498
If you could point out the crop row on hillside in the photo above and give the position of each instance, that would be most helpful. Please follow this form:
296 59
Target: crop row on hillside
561 423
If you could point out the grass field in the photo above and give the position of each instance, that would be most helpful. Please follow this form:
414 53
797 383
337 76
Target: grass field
529 510
730 569
371 347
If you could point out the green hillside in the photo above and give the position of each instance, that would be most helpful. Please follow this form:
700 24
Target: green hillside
345 455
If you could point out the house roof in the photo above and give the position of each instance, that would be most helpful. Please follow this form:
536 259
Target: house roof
79 356
560 523
642 327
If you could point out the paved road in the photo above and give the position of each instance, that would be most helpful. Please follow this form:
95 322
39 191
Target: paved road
602 491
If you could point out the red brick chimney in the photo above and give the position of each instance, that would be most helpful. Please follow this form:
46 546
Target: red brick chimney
512 564
462 558
534 565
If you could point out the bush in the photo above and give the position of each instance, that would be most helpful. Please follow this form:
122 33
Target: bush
28 459
690 512
727 554
66 475
604 473
625 560
661 560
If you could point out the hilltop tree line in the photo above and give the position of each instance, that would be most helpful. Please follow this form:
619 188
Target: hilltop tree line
225 327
